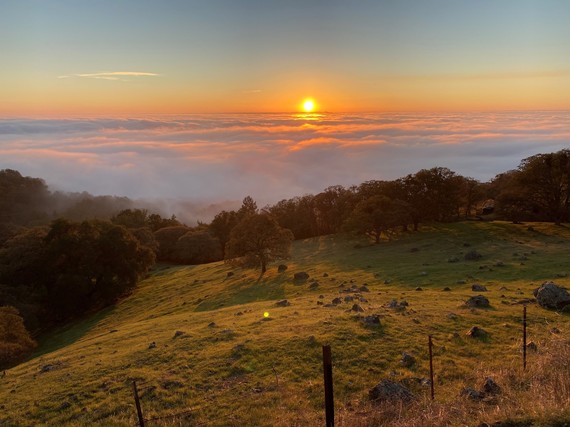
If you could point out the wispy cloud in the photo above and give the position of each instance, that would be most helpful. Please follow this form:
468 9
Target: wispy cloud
269 156
112 75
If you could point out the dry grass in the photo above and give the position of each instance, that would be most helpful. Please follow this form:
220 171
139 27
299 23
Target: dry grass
244 371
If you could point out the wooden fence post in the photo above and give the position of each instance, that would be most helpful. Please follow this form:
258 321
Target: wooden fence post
430 345
329 400
524 337
138 404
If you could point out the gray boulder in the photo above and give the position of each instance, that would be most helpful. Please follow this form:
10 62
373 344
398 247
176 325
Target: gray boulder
476 287
550 295
390 391
301 276
478 301
281 268
282 303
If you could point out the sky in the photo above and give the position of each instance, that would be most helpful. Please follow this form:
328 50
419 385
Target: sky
127 57
201 100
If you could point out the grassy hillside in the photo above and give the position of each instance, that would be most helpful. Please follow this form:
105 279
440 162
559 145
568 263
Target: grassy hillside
229 365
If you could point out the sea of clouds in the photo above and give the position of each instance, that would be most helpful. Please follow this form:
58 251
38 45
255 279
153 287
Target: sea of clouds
222 158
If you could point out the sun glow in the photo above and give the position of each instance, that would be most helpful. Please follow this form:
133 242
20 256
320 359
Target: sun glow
308 105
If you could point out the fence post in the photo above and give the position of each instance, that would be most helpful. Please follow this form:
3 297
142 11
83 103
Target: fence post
430 345
138 404
524 337
329 401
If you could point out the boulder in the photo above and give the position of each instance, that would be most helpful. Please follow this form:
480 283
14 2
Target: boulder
314 285
301 276
357 308
282 303
478 301
476 287
373 319
477 332
281 268
490 387
407 360
390 391
179 334
550 295
336 301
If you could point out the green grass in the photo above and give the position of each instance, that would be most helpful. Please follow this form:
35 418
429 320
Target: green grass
244 370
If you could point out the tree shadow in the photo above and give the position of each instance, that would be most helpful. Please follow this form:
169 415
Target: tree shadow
68 334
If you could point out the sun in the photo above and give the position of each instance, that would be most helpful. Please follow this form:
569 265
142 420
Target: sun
308 105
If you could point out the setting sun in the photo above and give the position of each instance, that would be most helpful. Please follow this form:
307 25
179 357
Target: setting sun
308 105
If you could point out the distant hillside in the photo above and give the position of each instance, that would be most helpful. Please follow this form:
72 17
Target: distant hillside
196 340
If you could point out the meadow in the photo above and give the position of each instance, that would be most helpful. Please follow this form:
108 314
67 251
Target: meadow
198 344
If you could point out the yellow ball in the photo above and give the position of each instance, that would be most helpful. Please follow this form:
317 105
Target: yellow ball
266 314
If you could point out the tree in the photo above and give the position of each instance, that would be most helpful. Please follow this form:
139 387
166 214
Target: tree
167 238
197 247
546 177
222 225
375 216
258 240
15 341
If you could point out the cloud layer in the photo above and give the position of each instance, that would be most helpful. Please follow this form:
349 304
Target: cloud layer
112 75
213 158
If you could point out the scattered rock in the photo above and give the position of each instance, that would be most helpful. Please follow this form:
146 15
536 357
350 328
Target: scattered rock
320 303
555 331
314 285
312 340
281 268
561 275
471 394
212 325
362 299
321 296
390 391
373 319
387 281
357 308
478 301
336 301
301 276
476 287
50 367
477 332
550 295
532 346
348 298
419 289
490 387
283 303
152 345
230 274
447 289
364 288
407 360
472 255
64 405
452 316
179 334
423 273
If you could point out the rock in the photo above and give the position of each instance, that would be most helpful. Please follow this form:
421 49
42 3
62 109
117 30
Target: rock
373 319
478 301
555 331
390 391
179 334
471 394
321 296
387 281
281 268
325 274
452 316
212 325
404 303
476 287
230 274
477 332
472 255
301 276
283 303
312 340
490 387
419 289
336 301
364 288
357 308
348 298
447 289
314 285
407 360
550 295
152 345
362 299
50 367
320 303
64 405
532 346
423 273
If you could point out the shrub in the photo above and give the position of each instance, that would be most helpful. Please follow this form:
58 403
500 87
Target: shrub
15 341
